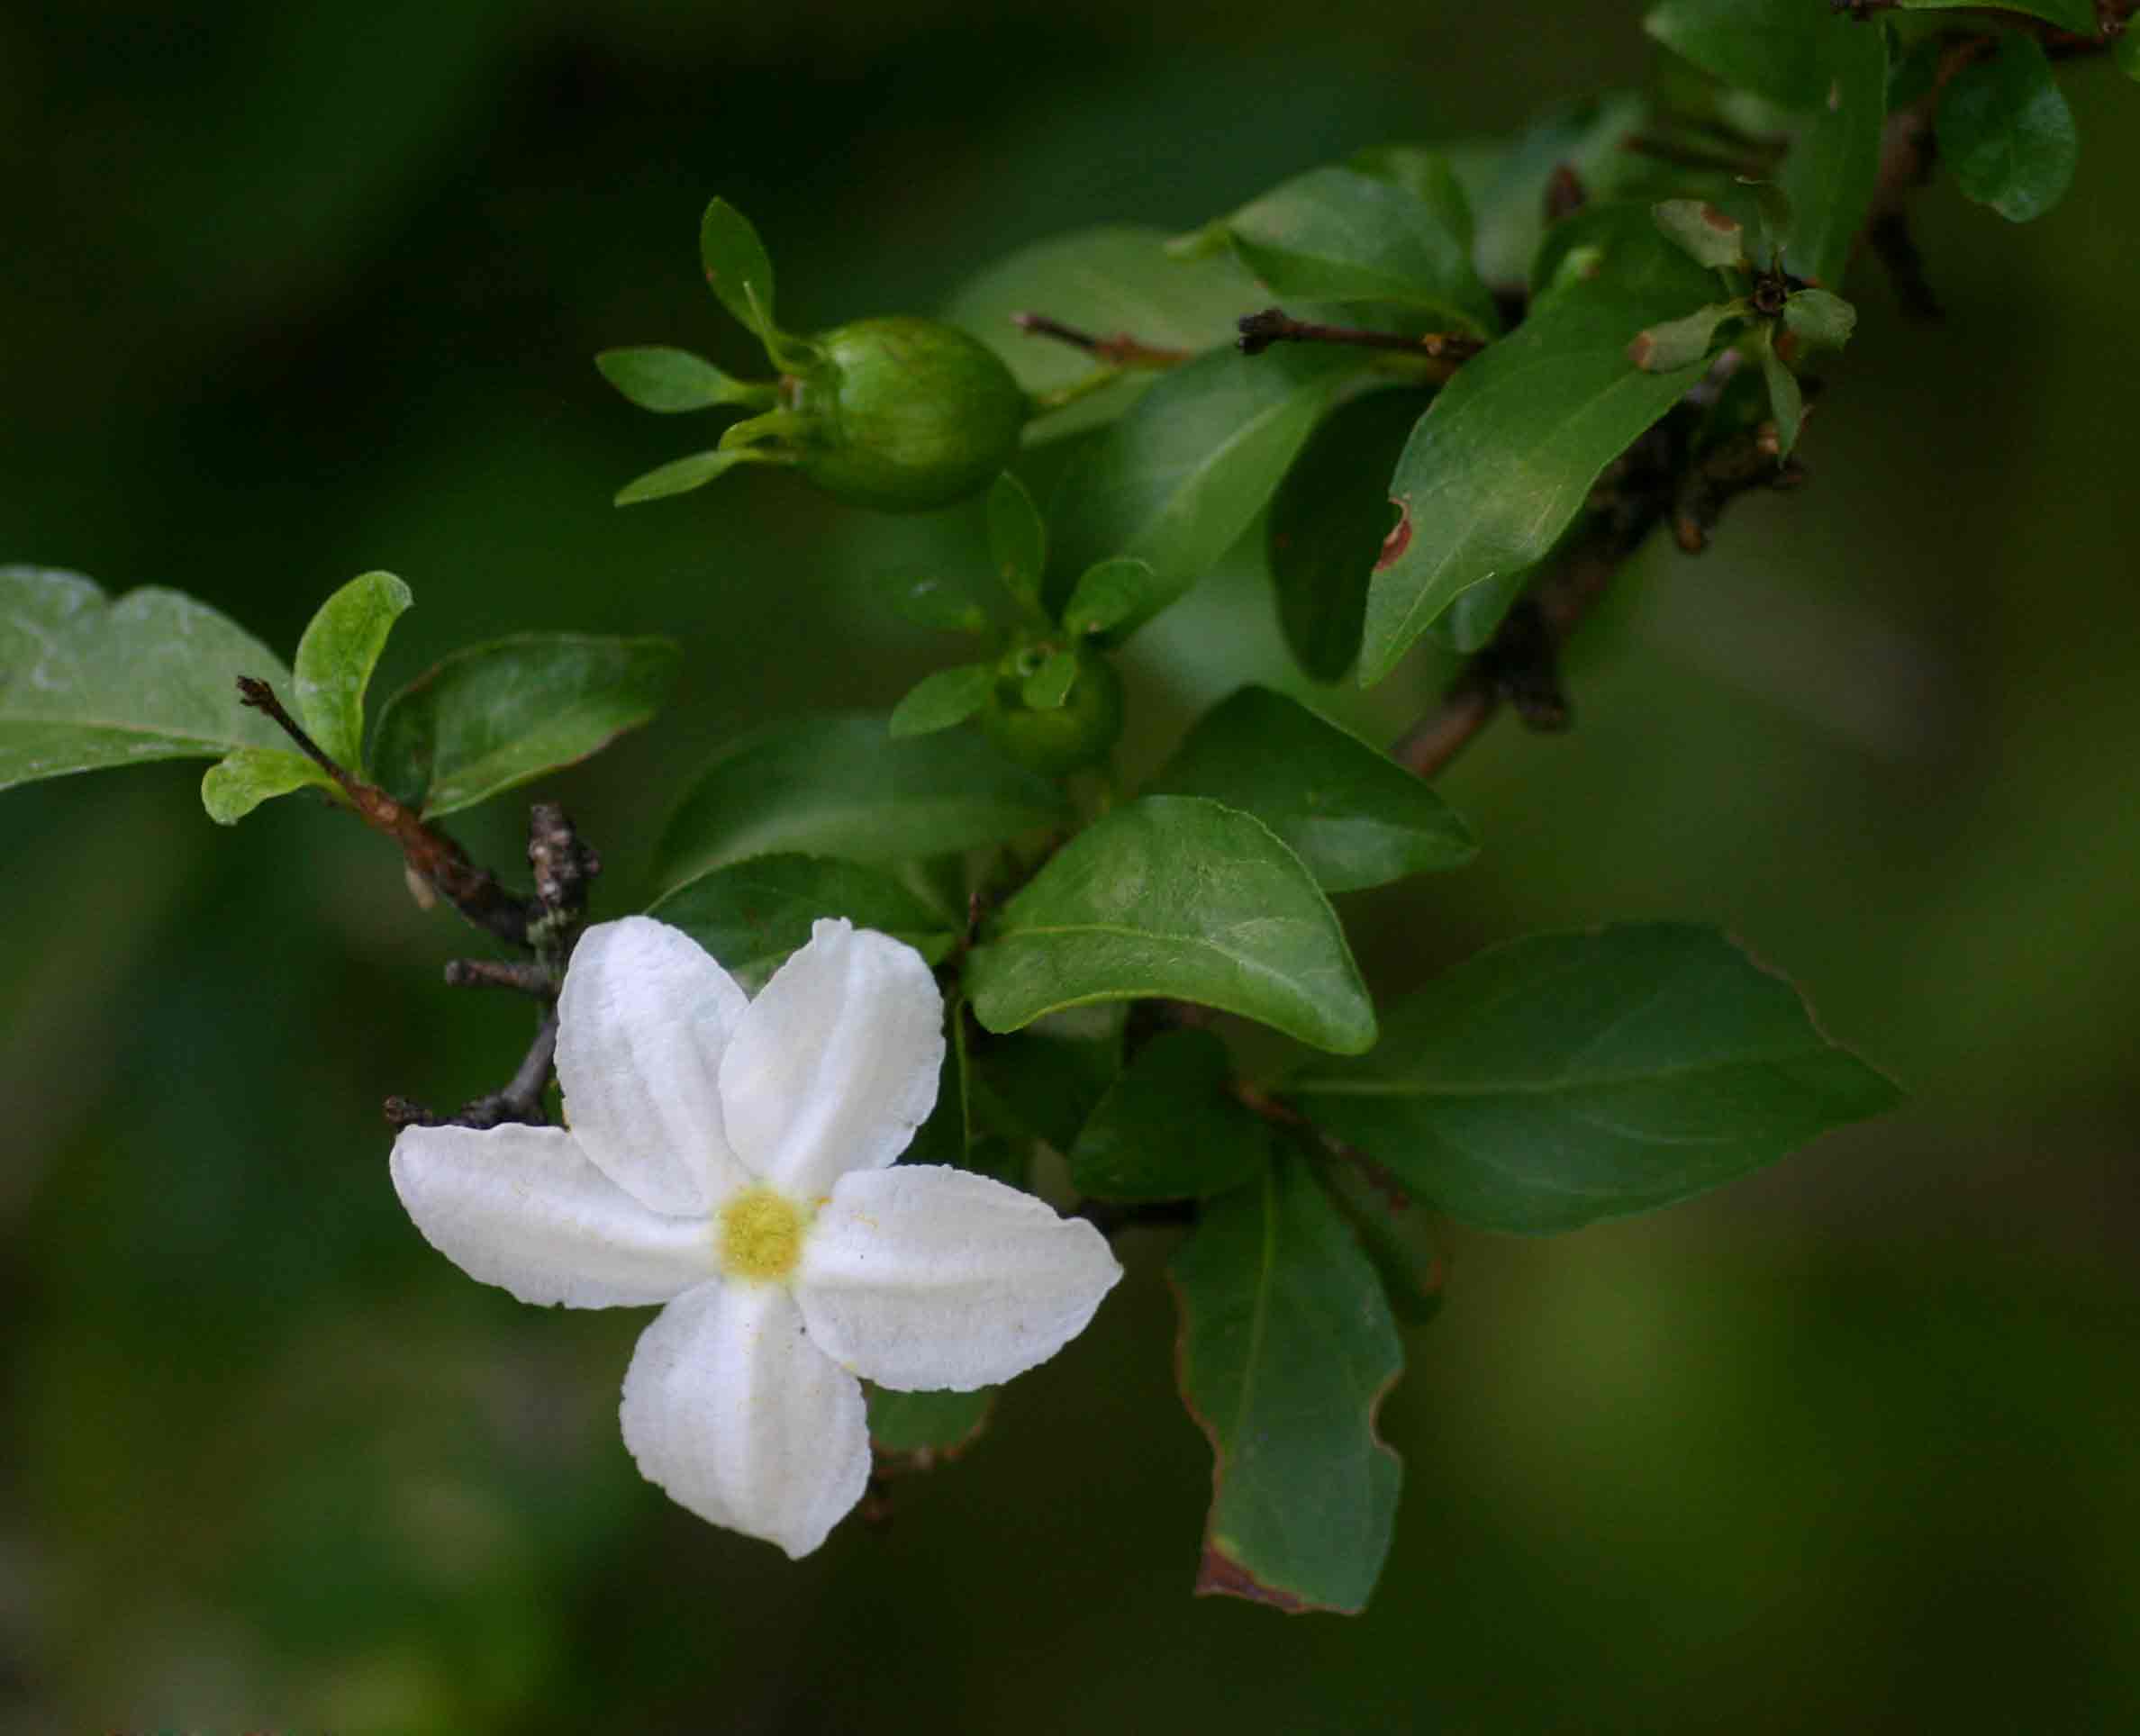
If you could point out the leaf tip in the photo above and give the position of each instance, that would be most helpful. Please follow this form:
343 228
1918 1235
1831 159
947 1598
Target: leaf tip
1219 1575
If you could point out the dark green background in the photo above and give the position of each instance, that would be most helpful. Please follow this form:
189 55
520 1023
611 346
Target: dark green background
296 291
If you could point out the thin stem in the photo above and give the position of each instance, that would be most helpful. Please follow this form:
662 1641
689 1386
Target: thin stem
1274 325
432 856
1121 350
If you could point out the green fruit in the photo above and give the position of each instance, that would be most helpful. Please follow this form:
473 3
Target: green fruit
1074 734
905 414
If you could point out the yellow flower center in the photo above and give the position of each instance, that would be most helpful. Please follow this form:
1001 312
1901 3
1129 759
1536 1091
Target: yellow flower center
761 1235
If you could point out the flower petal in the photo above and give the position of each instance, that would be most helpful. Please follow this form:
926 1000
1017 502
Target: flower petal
835 1063
732 1410
641 1025
923 1277
522 1208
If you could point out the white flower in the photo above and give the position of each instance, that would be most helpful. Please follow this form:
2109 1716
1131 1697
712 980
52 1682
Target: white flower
729 1158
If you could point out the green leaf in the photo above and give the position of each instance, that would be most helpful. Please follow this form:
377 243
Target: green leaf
1833 166
243 780
655 377
1327 524
1017 540
1044 1081
2005 131
1286 1350
1677 343
2128 51
1048 687
1786 401
680 476
1109 592
1108 281
1181 898
1171 1128
86 682
1555 1081
1703 232
751 915
335 659
736 265
928 601
1469 623
844 786
948 697
1819 318
1352 815
1337 235
1395 1232
1180 477
1426 174
1506 455
2078 16
927 1422
1777 48
496 715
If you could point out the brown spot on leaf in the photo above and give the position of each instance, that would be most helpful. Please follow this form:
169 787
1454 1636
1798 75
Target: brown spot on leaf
1400 537
1222 1577
1641 349
1718 220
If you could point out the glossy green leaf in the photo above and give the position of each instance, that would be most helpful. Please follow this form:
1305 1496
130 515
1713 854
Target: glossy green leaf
1429 176
1172 1127
928 601
1667 348
335 659
1777 48
1703 233
1108 281
844 786
679 477
2005 133
2078 16
1109 592
1819 318
1017 540
1286 1350
1833 166
1352 815
927 1422
751 915
242 781
1506 453
655 377
1180 477
1181 898
87 681
1787 403
1337 235
1559 1080
948 697
1327 524
495 716
738 267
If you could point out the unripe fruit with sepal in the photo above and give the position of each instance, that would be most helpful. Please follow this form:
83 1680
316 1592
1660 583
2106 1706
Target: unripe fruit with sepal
903 414
1064 738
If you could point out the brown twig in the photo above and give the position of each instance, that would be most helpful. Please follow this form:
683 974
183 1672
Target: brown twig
1121 350
520 1101
432 856
1274 325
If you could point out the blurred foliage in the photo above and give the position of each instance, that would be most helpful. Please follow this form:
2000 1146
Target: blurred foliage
297 293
